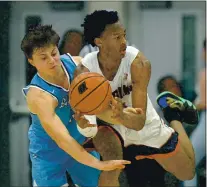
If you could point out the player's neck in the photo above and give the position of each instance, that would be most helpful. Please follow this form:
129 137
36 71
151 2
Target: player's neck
57 78
107 63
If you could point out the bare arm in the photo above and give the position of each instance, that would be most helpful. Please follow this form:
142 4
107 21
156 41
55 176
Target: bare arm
140 75
43 105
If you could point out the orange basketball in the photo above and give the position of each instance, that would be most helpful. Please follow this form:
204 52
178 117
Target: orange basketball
90 93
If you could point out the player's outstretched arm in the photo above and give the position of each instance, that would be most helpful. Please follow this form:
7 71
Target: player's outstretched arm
43 105
140 75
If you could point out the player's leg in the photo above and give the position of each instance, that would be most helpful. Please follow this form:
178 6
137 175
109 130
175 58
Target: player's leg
108 144
182 162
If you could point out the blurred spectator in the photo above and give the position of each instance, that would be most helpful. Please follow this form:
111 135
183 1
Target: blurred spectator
169 83
72 42
198 136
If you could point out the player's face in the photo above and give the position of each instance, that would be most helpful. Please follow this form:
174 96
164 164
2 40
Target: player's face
46 59
113 40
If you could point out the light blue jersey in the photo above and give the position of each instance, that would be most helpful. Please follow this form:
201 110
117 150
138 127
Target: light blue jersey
49 162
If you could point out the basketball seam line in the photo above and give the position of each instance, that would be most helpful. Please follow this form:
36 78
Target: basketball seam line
89 93
81 81
102 100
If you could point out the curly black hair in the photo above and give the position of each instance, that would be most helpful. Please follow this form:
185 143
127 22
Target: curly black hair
94 24
37 37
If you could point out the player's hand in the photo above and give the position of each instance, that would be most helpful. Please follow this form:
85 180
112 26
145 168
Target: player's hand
124 115
117 107
113 164
82 121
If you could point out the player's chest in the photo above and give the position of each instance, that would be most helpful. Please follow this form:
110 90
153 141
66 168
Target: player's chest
121 85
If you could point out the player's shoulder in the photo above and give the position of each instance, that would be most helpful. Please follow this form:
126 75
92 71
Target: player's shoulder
36 93
131 54
68 59
90 57
131 50
38 99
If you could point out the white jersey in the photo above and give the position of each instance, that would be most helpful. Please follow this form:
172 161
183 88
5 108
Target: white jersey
154 133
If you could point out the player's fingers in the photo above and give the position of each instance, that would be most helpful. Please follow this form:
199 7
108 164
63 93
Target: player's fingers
139 110
117 102
118 99
140 157
125 162
115 111
133 110
77 115
113 101
120 167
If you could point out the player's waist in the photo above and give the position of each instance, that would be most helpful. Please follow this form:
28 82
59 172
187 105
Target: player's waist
39 141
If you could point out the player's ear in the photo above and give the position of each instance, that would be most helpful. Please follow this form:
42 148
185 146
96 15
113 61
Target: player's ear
30 60
98 42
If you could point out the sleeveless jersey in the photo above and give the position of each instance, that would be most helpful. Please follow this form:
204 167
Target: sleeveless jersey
155 133
41 144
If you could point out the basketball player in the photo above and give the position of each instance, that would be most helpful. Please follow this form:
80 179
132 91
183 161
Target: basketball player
128 70
55 143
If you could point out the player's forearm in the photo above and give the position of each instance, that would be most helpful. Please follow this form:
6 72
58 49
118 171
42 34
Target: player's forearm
139 100
129 120
61 136
71 146
133 121
107 117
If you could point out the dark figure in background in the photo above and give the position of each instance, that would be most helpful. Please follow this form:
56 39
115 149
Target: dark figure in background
72 42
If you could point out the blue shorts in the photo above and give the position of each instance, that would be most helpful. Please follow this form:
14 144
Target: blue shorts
49 174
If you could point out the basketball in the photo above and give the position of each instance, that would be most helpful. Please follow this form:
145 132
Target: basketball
90 93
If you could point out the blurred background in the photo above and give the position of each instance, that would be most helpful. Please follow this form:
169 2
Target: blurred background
169 33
